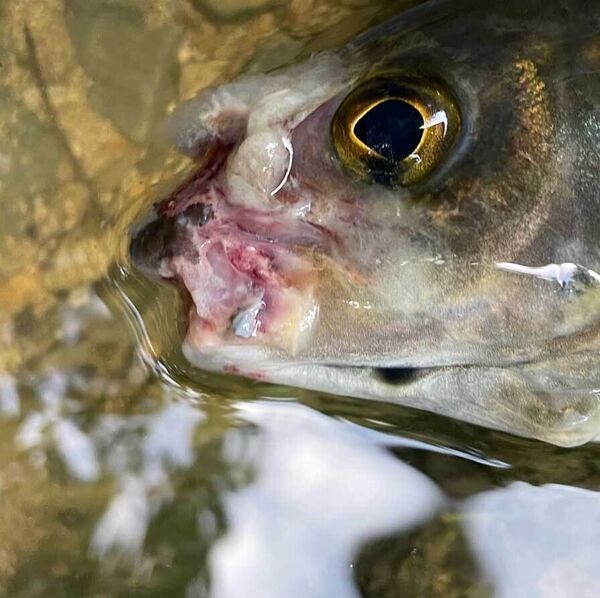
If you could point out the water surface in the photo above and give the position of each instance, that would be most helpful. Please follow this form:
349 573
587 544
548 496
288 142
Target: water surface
125 473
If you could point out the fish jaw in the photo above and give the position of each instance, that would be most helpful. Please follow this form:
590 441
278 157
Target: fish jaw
245 291
516 398
249 275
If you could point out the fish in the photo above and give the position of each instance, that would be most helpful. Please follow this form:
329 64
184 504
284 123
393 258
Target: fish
413 218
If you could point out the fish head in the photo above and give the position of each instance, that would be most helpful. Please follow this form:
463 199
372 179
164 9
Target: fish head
413 218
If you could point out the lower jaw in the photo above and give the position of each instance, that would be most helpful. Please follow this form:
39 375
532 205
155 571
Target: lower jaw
500 398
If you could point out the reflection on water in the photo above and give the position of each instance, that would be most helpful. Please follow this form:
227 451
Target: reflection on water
117 482
275 499
10 406
50 424
537 541
140 452
321 491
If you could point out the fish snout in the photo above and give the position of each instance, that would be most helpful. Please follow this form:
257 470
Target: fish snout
166 237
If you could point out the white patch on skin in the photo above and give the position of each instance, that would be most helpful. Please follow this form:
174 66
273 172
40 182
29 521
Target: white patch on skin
561 273
299 91
258 112
243 190
257 102
262 162
264 158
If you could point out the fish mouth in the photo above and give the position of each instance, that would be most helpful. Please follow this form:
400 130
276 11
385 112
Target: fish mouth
536 399
248 276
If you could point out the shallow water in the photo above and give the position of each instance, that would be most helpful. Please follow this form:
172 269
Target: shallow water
125 473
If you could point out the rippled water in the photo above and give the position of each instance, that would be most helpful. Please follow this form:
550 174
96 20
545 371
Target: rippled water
125 473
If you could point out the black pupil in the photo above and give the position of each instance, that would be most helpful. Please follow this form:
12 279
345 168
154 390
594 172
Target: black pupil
391 128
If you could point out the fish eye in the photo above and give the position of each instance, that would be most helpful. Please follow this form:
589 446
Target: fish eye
395 130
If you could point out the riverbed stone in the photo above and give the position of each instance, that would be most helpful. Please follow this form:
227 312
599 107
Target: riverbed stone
233 9
133 67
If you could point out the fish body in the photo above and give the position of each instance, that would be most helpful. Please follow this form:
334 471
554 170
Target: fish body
414 218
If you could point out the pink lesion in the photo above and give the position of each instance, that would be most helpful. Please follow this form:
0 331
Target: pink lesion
202 186
259 259
256 262
242 258
253 375
258 376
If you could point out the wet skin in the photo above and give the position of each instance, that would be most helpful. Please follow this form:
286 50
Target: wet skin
458 277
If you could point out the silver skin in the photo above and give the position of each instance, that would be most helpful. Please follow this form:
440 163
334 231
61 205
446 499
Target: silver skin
474 293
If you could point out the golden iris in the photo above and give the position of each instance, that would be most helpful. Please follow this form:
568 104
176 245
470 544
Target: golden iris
395 130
